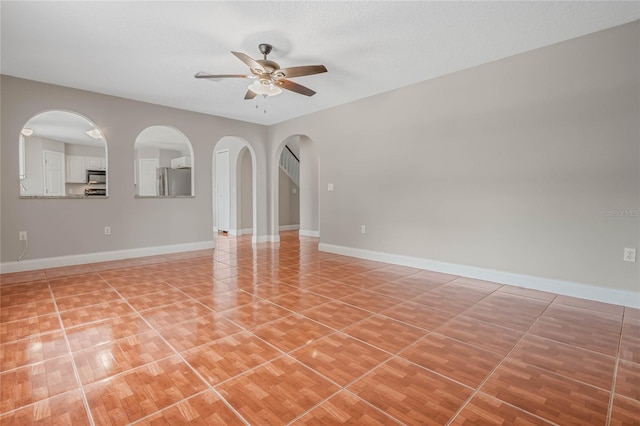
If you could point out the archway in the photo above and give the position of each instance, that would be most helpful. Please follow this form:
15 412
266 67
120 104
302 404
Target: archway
309 186
234 207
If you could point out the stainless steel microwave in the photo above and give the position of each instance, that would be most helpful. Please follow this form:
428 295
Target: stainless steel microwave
96 177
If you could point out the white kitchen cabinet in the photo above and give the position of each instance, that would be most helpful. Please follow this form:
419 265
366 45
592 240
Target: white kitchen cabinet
94 163
76 171
181 162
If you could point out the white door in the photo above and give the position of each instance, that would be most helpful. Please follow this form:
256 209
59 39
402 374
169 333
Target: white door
222 190
147 182
53 173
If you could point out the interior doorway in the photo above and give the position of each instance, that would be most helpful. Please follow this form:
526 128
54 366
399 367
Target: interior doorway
307 194
234 187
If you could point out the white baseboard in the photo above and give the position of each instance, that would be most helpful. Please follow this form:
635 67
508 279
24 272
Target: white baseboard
289 227
309 233
105 256
236 232
566 288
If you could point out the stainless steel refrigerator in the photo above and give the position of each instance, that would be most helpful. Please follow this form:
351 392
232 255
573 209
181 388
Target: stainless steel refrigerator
173 182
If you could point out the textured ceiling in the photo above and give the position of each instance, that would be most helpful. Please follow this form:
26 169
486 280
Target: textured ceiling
149 51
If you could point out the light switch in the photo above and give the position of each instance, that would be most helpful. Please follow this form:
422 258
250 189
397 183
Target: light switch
330 187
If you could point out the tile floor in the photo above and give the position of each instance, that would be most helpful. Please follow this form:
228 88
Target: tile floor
290 335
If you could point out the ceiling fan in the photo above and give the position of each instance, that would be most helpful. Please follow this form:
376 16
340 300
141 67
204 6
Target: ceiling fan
271 79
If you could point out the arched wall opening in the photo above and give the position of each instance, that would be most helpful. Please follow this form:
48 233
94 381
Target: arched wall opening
56 147
163 165
309 186
234 200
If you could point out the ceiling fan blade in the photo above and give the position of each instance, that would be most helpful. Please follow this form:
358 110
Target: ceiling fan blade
303 70
205 75
295 87
249 95
252 63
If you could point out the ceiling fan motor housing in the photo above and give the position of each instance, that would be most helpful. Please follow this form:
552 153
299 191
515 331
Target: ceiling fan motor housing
269 66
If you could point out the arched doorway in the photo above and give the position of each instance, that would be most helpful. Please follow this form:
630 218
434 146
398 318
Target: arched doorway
308 197
234 187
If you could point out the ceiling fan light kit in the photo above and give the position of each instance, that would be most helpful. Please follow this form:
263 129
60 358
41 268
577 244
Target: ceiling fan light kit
271 79
264 88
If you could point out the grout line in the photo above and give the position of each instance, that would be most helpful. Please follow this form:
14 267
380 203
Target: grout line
140 420
355 396
85 401
236 250
179 355
574 346
340 387
519 409
250 370
288 354
428 369
615 375
492 372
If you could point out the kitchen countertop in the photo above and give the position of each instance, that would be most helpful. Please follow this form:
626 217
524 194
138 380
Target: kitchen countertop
164 196
63 197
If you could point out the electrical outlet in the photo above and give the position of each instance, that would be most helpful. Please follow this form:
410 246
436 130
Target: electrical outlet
629 255
23 236
363 229
107 230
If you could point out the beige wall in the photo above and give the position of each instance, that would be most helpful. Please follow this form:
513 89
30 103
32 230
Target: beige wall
309 186
73 227
519 165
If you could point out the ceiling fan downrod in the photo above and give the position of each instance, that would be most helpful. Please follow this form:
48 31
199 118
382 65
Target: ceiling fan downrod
265 49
